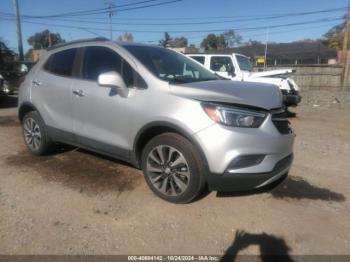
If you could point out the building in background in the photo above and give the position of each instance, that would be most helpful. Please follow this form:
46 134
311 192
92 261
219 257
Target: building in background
296 53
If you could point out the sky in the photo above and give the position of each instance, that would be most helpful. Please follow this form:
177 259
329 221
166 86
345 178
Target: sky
174 16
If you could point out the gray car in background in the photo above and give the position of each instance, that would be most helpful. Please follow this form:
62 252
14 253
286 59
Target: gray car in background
161 112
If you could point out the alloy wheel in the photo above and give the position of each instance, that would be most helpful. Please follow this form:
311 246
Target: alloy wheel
32 133
168 170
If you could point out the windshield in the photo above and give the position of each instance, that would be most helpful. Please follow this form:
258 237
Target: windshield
169 65
244 63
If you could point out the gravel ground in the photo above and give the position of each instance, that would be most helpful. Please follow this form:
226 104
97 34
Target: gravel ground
76 202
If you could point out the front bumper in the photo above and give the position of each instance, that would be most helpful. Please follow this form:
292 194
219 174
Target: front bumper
291 99
222 145
243 181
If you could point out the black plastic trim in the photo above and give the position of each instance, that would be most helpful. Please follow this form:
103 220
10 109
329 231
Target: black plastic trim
245 181
90 144
21 106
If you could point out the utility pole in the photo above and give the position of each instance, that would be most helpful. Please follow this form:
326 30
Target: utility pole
50 39
345 76
110 6
19 31
266 44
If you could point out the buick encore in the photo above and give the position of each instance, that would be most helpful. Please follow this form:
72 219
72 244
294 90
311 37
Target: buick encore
160 111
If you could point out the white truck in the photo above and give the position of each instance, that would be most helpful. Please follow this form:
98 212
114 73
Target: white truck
237 67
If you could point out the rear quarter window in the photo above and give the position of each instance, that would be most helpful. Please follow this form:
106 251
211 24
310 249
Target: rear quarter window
61 63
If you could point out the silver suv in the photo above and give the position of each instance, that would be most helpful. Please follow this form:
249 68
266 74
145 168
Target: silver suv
160 111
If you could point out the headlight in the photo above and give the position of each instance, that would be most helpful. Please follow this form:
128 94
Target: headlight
232 116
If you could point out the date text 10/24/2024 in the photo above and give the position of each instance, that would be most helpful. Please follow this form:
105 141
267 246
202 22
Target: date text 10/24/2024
174 258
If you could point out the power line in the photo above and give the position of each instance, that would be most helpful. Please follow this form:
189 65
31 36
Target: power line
192 31
107 9
176 24
91 11
236 18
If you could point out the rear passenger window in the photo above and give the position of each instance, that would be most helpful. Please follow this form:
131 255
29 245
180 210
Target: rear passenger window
61 63
98 60
199 59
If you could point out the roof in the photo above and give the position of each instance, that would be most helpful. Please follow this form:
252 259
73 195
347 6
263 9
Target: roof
96 39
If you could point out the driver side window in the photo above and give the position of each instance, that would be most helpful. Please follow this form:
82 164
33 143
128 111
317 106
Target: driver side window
99 59
221 64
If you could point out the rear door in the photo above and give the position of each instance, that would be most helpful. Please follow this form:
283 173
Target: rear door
51 91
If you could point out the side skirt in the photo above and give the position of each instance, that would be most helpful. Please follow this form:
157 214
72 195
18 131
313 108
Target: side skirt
92 145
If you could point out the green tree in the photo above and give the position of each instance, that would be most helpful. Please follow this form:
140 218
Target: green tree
252 43
179 42
41 40
165 42
214 42
232 38
334 37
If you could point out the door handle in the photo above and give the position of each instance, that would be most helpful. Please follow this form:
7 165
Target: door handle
78 92
36 83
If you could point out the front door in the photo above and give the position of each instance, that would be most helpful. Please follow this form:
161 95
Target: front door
101 119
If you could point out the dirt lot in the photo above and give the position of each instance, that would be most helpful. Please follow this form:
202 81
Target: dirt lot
75 202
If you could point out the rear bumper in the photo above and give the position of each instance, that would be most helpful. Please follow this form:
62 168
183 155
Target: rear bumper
248 181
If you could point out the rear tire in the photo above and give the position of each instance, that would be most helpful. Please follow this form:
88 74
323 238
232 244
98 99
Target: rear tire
35 134
173 168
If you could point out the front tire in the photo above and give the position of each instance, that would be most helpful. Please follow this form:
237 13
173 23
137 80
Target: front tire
173 168
35 134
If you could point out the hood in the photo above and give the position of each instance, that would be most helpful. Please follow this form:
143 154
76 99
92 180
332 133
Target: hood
273 73
264 96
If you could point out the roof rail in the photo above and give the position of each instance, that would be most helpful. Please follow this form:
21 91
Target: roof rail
96 39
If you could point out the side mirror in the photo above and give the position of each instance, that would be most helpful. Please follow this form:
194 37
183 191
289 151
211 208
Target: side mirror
113 79
232 72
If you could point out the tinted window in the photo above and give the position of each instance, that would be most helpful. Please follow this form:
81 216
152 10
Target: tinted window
199 59
169 65
221 64
98 60
61 63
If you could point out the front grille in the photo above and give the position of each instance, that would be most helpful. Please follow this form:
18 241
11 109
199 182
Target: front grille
281 123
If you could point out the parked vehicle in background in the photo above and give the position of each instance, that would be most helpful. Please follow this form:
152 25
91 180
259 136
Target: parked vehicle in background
160 111
237 67
11 76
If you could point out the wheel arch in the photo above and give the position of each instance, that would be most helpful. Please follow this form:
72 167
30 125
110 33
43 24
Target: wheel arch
24 108
153 129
